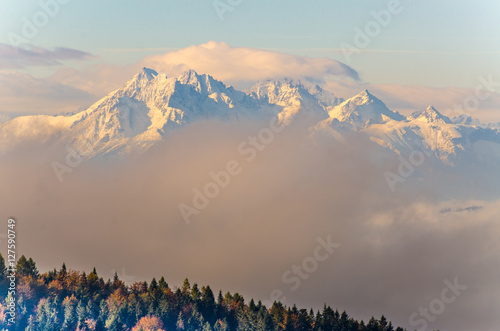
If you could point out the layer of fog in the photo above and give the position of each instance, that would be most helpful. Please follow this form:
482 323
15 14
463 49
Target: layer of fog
397 248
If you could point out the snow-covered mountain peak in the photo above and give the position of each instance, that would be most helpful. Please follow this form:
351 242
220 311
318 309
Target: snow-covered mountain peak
465 119
431 115
361 111
365 93
147 73
203 83
144 76
189 77
364 97
286 91
138 83
136 116
293 96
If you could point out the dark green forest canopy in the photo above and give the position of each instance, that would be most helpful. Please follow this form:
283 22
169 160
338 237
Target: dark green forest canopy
66 299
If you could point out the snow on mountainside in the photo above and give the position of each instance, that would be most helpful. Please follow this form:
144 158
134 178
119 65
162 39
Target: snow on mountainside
138 115
295 98
465 119
449 142
468 120
431 115
359 112
428 130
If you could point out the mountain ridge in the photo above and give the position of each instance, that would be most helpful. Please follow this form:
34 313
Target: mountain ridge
136 116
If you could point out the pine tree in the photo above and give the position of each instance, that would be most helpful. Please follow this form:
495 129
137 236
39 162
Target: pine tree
81 314
195 293
93 282
153 286
162 284
33 271
195 321
186 287
63 273
70 316
221 309
116 306
251 306
372 325
26 267
207 305
3 269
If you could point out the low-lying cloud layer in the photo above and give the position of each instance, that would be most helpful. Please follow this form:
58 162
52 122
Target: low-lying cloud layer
397 250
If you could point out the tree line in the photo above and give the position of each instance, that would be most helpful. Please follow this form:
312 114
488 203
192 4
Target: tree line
67 299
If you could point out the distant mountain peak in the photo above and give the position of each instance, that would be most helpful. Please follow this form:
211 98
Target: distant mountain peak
361 111
293 94
365 92
146 73
189 77
364 97
465 119
139 81
432 115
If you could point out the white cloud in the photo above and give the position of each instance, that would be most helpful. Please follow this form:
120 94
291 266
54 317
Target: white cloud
237 64
70 88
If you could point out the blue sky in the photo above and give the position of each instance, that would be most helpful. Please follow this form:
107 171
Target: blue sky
437 43
446 43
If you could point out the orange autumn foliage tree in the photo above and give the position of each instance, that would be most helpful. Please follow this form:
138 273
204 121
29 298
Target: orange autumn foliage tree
149 323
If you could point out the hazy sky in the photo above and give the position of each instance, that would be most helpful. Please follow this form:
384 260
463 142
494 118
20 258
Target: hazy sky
436 43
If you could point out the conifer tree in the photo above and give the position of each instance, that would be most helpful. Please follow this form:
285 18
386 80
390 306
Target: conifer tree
26 267
3 269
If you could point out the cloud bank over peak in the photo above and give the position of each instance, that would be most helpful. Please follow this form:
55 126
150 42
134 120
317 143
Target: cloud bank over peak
240 64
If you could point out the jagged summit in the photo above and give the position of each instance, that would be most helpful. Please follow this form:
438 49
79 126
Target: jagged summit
361 111
365 97
138 115
139 81
431 115
148 73
366 93
203 83
295 97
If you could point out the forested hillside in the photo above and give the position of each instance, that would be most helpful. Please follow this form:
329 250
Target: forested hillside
66 299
